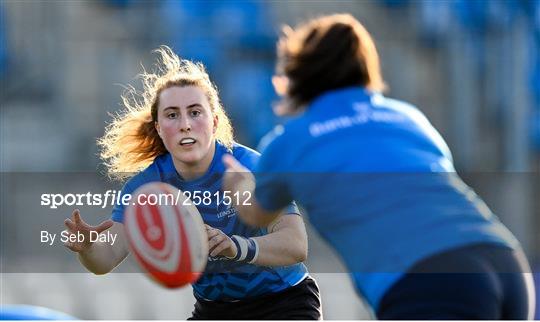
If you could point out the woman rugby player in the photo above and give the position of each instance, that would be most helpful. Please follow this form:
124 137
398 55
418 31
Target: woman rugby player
378 183
177 132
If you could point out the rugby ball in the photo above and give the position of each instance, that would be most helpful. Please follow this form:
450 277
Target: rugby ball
166 234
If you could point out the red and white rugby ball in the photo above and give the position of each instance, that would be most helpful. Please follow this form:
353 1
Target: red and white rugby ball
167 238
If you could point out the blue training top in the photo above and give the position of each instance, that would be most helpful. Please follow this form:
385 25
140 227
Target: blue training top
377 182
224 280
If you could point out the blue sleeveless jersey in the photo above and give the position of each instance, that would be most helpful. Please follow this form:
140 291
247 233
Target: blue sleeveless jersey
223 280
377 182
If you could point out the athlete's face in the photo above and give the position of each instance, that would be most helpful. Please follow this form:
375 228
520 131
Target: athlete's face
186 125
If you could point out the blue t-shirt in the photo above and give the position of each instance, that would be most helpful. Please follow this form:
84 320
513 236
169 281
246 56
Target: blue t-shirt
223 280
378 183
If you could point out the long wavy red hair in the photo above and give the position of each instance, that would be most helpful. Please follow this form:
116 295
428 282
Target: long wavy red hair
131 142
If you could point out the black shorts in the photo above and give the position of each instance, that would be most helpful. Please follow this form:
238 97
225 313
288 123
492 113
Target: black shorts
475 282
300 302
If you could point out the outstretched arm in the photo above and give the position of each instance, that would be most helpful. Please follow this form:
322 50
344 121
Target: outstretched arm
238 178
285 244
286 241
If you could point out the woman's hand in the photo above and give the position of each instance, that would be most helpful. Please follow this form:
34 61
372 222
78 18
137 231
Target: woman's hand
219 243
76 224
237 179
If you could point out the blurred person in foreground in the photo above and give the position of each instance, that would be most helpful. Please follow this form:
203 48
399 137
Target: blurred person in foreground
18 312
177 132
378 183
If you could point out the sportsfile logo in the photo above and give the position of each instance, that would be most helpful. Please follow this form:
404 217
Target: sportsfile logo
110 197
114 197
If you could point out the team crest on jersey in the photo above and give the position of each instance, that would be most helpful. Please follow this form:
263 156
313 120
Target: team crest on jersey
229 212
